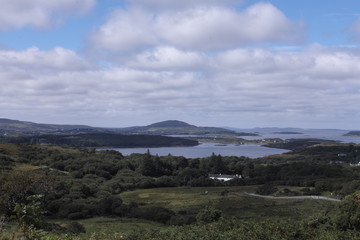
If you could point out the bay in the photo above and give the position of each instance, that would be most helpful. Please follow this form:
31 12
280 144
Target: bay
331 134
247 150
206 150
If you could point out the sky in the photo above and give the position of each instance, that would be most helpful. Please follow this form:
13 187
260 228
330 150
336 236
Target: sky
235 63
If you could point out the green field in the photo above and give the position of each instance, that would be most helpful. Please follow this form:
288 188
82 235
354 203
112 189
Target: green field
230 200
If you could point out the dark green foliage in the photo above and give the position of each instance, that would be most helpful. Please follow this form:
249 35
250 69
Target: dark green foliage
17 186
85 182
349 213
29 213
234 229
158 214
297 144
5 162
147 167
75 228
208 215
181 219
103 140
331 153
266 189
217 164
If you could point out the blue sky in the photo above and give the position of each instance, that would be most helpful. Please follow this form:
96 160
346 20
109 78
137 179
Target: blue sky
327 23
208 62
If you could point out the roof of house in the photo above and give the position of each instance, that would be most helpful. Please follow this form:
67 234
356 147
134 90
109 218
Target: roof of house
223 176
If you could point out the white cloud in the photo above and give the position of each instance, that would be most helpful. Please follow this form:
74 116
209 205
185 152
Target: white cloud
315 83
59 58
196 28
201 61
39 13
217 27
125 30
168 58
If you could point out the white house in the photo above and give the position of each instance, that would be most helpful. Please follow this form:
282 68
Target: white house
224 177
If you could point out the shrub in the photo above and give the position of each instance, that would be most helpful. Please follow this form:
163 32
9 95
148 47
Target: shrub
75 228
348 216
266 189
157 214
208 215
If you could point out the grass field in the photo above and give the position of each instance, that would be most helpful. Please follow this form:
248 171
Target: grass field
230 200
116 225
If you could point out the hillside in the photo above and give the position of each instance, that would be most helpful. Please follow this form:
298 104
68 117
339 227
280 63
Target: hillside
15 127
170 127
174 127
353 134
102 140
170 124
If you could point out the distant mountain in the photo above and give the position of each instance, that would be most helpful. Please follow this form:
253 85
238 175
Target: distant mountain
353 134
15 131
287 132
279 130
174 127
170 124
15 127
170 127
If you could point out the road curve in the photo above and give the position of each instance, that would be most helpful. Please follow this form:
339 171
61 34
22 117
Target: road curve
294 197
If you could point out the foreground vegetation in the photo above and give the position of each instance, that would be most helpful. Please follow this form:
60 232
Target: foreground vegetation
50 192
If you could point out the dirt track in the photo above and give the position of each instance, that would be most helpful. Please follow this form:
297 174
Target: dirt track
294 197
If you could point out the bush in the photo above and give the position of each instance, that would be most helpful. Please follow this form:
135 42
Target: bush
157 214
181 220
208 215
266 189
348 216
75 228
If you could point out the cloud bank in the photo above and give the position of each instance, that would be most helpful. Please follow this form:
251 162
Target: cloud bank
208 27
208 64
39 13
240 84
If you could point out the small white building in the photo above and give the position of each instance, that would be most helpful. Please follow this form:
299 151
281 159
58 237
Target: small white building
224 177
342 155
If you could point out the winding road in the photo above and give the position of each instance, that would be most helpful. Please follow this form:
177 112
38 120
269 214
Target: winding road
294 197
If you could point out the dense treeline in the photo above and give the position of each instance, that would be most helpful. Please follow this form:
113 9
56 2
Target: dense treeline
296 144
306 151
102 140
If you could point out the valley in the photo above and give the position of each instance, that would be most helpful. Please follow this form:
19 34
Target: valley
80 190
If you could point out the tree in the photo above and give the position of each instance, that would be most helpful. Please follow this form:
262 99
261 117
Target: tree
30 217
147 166
16 186
348 216
217 164
266 189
